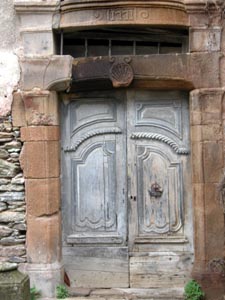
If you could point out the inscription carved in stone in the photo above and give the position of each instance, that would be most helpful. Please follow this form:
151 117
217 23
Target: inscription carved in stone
119 14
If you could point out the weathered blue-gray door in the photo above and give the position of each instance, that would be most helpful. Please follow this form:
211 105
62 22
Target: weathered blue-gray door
126 200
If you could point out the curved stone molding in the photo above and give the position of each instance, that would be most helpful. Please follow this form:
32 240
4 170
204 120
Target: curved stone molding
92 134
161 138
54 73
155 12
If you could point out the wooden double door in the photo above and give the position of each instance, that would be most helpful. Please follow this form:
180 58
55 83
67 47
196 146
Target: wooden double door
126 189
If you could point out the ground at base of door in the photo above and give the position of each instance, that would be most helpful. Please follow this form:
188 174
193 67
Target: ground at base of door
126 294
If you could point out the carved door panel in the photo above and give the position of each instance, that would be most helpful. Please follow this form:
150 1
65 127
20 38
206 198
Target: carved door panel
159 185
126 189
94 192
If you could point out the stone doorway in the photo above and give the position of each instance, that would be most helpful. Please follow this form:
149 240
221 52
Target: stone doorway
126 189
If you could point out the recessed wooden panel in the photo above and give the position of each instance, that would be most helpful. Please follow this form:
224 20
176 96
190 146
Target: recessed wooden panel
85 113
161 114
158 214
95 206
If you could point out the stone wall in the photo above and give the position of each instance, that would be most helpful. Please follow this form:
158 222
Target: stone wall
12 196
9 63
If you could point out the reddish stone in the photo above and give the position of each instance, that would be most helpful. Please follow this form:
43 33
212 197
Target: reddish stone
43 239
40 133
212 284
197 167
214 223
40 159
212 161
42 196
199 221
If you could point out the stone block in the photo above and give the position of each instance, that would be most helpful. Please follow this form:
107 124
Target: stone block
206 106
211 103
152 14
212 132
195 103
199 221
40 133
42 20
197 166
54 73
213 284
198 19
3 153
205 39
8 169
44 276
222 69
18 110
179 71
212 161
41 108
43 239
42 196
196 133
223 37
214 220
38 43
11 216
12 196
40 159
223 106
195 118
35 108
14 285
9 251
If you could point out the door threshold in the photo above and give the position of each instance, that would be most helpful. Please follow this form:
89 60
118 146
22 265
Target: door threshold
128 293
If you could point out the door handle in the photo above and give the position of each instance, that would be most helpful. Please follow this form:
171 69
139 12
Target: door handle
155 190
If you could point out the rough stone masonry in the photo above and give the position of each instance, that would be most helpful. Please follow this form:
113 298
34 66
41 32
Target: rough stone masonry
12 197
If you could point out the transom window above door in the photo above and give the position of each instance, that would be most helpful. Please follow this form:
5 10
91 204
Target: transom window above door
123 41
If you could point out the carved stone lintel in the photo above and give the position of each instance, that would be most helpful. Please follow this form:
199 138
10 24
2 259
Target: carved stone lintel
121 73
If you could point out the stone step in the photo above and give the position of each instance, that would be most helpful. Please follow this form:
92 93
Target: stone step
128 294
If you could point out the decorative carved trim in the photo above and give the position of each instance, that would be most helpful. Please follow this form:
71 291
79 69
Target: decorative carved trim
34 6
90 135
161 138
121 73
